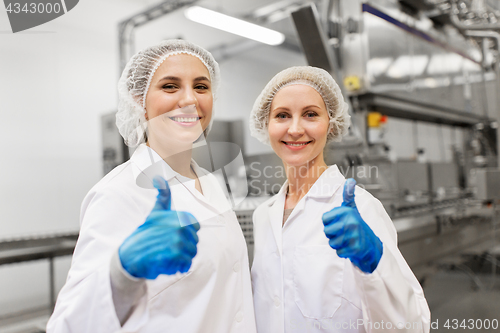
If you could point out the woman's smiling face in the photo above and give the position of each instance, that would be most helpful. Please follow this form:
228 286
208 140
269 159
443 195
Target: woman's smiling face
298 125
179 100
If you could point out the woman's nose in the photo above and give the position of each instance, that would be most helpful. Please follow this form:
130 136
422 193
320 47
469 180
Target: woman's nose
296 129
188 98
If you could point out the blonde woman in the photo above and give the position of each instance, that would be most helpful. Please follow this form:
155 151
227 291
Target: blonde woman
326 256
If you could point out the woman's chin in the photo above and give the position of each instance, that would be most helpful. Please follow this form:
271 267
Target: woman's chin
186 138
299 160
173 141
295 161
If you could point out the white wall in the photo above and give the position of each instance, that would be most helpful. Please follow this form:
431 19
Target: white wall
55 82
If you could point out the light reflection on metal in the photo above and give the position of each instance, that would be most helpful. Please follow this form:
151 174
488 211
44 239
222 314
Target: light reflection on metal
408 66
378 66
462 25
445 64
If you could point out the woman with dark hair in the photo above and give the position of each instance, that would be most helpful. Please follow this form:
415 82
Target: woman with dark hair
172 259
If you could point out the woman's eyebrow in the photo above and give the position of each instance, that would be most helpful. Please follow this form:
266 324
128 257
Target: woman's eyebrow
170 78
201 78
175 78
287 109
280 108
312 105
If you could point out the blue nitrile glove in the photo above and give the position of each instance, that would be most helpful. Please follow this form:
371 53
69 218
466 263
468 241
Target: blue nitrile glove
164 244
350 235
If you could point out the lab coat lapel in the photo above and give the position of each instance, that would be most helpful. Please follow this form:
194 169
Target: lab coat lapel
216 208
148 164
276 216
212 192
327 184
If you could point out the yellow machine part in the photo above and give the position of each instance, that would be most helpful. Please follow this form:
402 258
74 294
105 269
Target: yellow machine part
374 119
352 83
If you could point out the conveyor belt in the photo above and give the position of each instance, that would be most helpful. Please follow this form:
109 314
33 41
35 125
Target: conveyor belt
36 248
14 251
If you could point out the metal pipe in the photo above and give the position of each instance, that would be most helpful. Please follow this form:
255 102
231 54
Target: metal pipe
126 27
461 26
485 34
125 40
496 37
52 284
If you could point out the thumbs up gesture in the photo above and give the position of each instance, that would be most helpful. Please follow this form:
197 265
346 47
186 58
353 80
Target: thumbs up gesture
350 235
164 244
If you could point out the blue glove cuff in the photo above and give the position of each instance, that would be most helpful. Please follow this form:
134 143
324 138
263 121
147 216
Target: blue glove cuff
369 262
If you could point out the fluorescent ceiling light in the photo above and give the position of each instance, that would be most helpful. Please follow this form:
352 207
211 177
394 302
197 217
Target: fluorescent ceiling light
234 25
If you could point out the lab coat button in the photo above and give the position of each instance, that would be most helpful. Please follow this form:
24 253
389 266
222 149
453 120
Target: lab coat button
236 267
277 301
239 317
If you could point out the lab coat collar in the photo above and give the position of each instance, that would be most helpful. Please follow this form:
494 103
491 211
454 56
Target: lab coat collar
276 216
212 190
148 163
327 184
324 187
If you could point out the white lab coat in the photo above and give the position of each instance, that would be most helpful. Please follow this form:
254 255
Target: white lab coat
301 285
214 296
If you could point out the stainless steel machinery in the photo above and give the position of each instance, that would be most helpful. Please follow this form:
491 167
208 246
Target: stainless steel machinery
422 61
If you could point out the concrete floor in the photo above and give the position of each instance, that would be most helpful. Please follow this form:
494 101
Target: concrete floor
458 295
32 321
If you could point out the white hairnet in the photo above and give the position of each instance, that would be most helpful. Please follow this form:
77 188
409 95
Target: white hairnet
317 78
135 80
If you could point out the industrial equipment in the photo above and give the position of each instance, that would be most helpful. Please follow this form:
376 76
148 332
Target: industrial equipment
422 61
40 247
